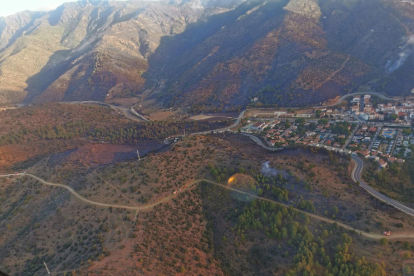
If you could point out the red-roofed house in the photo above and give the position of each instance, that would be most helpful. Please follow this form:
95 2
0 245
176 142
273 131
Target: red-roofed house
382 163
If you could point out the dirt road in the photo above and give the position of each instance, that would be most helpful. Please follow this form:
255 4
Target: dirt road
187 186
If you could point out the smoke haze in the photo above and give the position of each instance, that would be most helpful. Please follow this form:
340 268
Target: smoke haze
406 51
269 171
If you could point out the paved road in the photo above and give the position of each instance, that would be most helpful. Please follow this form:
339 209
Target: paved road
379 95
260 143
341 99
220 130
133 111
399 132
129 113
356 176
379 130
348 141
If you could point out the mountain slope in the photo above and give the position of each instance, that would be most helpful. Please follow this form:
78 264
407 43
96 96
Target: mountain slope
209 55
85 50
286 52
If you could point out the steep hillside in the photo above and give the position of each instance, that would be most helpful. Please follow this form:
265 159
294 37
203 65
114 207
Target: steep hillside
287 52
206 54
85 50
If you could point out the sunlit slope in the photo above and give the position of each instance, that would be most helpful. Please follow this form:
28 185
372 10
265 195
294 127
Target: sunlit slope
208 55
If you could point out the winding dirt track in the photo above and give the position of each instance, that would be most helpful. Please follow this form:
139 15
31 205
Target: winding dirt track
152 205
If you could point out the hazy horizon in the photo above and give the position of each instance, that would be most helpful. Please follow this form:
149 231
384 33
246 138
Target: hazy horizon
13 7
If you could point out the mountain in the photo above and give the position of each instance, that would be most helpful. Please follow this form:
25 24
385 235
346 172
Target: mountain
207 54
289 53
85 50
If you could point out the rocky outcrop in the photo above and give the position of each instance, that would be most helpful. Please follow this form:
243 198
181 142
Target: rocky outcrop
306 8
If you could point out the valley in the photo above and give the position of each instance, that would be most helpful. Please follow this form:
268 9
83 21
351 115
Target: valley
204 137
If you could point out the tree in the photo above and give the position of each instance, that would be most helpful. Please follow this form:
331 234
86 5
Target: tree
407 270
300 121
384 241
323 121
394 117
318 113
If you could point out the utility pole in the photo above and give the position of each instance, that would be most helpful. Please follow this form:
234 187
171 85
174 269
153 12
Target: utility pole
48 271
139 157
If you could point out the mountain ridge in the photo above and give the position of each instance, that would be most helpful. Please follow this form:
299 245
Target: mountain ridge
208 55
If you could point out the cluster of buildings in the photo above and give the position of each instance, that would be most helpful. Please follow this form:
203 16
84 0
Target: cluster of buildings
363 137
338 130
282 134
402 109
382 159
371 141
381 145
363 107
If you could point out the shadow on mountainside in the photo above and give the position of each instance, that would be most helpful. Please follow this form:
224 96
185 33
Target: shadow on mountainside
295 75
214 40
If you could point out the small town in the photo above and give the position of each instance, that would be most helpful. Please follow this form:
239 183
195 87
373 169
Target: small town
366 126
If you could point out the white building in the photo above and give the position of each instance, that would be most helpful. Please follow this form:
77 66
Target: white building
356 100
364 116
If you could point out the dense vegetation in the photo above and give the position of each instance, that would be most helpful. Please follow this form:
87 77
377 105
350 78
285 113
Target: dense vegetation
397 180
328 251
268 238
341 128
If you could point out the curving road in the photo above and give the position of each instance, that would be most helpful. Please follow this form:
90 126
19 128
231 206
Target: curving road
341 99
356 176
260 142
129 113
220 130
133 111
149 206
379 95
73 192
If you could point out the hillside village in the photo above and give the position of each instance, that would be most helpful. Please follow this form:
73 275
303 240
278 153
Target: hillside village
371 128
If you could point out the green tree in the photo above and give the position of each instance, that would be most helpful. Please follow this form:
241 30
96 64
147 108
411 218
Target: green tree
323 121
318 113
